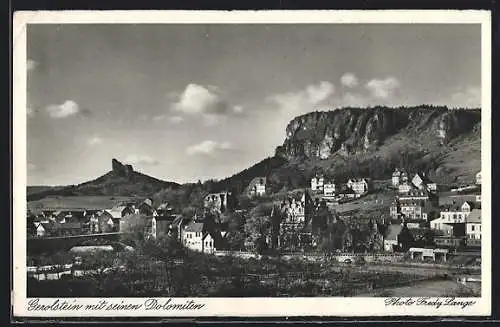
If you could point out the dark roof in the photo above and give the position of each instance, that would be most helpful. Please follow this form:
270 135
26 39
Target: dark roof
412 202
194 227
457 206
474 217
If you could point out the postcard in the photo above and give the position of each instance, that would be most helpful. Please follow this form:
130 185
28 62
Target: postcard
251 163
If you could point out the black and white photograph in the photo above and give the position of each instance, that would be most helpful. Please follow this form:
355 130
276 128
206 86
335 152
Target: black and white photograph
214 160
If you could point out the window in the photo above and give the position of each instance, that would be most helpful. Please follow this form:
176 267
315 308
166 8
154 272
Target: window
472 227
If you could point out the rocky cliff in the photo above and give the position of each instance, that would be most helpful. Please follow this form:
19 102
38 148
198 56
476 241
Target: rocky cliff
120 169
353 131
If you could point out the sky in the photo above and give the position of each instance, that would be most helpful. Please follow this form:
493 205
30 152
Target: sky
191 102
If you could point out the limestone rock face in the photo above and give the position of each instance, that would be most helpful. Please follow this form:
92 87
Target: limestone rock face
351 131
120 169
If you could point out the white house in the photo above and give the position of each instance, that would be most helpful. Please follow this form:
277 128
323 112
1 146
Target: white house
473 225
40 229
192 236
260 189
317 183
359 186
195 239
432 187
329 189
418 181
396 175
208 243
404 188
453 214
421 182
414 209
257 187
440 225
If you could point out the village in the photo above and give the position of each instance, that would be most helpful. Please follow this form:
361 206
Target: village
297 223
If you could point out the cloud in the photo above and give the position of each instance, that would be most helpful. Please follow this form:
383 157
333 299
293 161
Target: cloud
159 117
176 119
208 147
469 97
31 65
350 99
213 119
95 140
173 119
68 108
238 109
303 100
205 102
318 93
134 159
349 80
198 99
383 88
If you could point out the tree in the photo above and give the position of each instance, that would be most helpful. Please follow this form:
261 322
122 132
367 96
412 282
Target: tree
258 225
236 240
406 239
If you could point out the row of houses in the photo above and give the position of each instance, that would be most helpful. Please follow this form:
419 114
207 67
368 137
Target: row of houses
417 205
353 188
414 205
202 237
460 222
419 181
78 221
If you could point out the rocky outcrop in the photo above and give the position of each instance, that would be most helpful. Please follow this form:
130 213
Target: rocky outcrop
452 124
352 130
120 169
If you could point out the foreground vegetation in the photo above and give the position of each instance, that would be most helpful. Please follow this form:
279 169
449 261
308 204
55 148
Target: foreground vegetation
164 268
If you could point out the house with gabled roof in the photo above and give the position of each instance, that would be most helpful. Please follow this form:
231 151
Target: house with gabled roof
146 208
317 183
396 175
257 187
473 225
192 236
359 185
